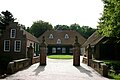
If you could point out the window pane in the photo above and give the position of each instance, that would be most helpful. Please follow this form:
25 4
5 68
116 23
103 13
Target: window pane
6 45
17 46
53 50
13 32
71 50
63 50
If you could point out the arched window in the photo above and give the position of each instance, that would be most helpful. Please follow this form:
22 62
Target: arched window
51 36
58 41
66 36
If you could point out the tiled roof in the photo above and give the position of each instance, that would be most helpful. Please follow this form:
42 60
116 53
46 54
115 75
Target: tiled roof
60 35
93 39
30 36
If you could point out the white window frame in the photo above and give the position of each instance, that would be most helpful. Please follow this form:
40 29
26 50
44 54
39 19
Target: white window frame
15 46
12 35
51 36
5 45
66 36
59 41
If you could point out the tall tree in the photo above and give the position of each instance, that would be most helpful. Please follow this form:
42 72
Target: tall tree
39 27
109 24
6 18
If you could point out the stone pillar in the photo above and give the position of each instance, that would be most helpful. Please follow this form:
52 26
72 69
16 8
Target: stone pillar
76 52
30 53
89 55
43 52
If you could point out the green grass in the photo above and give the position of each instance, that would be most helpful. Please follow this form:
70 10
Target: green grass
60 56
114 76
113 65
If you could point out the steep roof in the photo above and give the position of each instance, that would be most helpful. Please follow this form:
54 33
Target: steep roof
30 36
60 35
93 39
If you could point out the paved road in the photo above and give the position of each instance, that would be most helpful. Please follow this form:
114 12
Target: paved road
57 70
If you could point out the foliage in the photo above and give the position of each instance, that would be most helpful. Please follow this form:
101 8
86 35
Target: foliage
39 27
6 17
61 27
85 31
109 24
114 68
60 56
74 27
114 76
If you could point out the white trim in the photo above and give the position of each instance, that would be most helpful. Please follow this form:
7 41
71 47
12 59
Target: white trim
66 36
59 41
15 46
11 33
51 36
5 46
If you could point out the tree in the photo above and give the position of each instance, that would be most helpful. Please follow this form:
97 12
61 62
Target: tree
109 24
85 31
74 27
39 27
61 27
6 17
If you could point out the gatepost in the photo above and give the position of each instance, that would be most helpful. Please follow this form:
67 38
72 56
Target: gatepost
76 52
43 52
30 53
89 55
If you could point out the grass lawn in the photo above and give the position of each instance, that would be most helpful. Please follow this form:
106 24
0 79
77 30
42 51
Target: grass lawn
60 56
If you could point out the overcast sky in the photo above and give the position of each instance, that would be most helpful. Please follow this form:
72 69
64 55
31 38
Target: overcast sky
83 12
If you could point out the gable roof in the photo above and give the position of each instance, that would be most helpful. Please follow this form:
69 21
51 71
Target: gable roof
60 35
93 39
29 36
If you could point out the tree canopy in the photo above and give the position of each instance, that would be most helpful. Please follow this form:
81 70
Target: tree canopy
109 24
85 31
39 27
61 27
5 18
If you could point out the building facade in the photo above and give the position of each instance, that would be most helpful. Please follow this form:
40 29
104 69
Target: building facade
14 42
61 41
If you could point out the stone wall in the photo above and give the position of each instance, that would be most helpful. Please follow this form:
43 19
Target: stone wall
20 64
97 65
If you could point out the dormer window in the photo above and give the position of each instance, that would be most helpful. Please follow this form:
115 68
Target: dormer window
12 33
51 36
58 41
66 36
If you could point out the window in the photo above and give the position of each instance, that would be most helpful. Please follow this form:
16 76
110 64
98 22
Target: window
58 41
12 33
17 46
6 45
71 50
63 50
66 36
53 50
50 36
35 47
